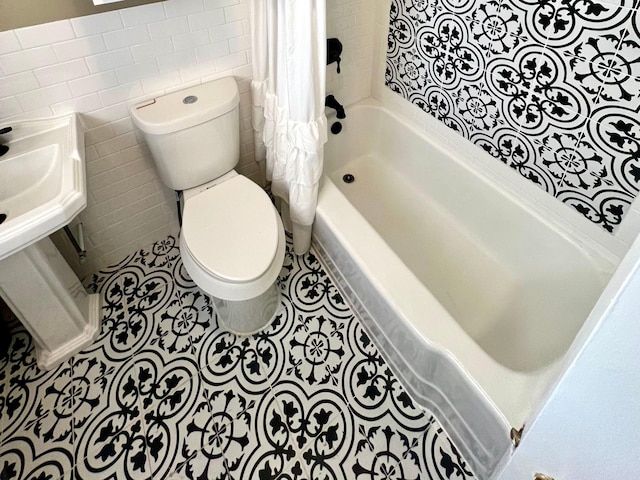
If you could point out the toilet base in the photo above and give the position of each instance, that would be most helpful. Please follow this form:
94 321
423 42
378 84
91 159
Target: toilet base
246 317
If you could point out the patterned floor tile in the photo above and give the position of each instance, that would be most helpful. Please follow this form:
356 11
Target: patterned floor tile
165 392
270 343
163 255
228 357
32 395
378 450
37 415
439 456
310 289
382 450
292 470
320 425
92 380
317 349
374 391
20 355
27 458
218 432
197 314
308 414
207 462
38 435
266 449
177 425
307 339
127 320
109 437
310 348
111 454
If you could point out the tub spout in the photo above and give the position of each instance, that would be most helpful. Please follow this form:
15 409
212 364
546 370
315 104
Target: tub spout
331 102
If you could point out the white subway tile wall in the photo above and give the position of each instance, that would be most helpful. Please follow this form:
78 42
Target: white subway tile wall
102 64
8 42
40 35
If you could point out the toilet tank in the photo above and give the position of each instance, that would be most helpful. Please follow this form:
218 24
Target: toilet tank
193 134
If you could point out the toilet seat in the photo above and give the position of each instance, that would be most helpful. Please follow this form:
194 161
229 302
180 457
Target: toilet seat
232 240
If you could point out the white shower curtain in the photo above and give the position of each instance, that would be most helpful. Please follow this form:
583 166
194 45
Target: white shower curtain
288 89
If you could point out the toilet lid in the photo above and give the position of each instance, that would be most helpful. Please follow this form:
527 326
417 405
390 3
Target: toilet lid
231 229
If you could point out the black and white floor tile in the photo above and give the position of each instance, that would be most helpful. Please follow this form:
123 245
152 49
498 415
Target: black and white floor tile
550 88
164 392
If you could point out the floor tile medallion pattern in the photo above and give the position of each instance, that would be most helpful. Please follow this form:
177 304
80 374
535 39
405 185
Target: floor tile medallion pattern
550 88
165 393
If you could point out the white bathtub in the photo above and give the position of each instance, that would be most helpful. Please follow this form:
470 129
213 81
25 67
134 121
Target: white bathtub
471 296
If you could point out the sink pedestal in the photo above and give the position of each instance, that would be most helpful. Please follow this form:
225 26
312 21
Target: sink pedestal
49 300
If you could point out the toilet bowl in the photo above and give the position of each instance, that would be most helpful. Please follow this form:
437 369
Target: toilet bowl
232 241
232 244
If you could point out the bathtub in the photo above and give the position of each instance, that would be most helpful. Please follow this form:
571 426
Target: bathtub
472 297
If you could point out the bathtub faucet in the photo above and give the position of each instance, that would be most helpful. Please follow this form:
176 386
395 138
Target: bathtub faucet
331 102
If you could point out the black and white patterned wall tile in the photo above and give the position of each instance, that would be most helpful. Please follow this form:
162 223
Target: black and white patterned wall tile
550 88
166 393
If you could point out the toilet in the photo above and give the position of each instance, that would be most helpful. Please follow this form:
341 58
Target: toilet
232 241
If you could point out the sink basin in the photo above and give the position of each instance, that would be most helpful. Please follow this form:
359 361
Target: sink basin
42 180
42 188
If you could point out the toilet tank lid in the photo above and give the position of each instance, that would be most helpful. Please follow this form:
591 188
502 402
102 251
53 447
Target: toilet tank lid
186 108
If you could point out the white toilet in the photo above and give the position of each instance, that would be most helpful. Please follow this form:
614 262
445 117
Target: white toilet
232 241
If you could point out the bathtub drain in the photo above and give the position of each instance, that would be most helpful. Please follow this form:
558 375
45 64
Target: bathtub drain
348 178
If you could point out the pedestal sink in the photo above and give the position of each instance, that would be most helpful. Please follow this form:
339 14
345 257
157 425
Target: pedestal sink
42 188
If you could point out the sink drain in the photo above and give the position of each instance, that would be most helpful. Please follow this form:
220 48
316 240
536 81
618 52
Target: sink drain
3 217
348 178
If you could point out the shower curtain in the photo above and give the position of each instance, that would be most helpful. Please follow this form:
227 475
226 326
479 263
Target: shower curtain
288 91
